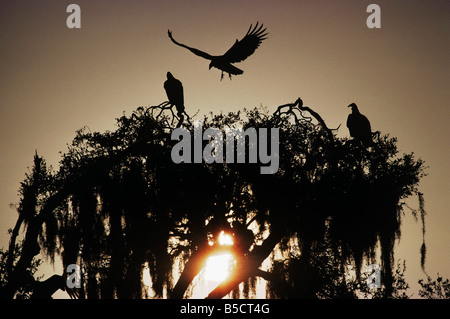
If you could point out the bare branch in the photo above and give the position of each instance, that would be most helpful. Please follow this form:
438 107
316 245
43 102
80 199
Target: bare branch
298 106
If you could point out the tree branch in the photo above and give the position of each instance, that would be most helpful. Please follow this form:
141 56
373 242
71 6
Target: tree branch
193 266
247 266
298 105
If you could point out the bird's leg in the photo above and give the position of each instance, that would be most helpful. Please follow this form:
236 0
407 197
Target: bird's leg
180 121
173 115
221 76
229 74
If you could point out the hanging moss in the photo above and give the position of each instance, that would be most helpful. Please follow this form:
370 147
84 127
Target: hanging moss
118 203
423 248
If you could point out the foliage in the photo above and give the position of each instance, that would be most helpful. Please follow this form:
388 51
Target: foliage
118 204
25 289
435 289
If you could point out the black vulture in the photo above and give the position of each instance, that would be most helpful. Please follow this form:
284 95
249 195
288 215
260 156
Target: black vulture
240 51
174 91
359 126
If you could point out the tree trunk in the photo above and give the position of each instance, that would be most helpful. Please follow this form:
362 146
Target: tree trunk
193 266
247 266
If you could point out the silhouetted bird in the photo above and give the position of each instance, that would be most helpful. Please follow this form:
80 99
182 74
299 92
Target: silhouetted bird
359 126
240 51
174 91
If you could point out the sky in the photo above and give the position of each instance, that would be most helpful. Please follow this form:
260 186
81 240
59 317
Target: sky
55 80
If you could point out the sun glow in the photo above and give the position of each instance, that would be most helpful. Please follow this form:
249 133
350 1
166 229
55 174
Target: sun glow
218 266
225 239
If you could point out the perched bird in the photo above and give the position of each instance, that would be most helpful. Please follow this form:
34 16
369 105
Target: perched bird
240 51
174 91
359 126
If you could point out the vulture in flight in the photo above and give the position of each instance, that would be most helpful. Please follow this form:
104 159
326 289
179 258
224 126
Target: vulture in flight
174 91
240 51
359 126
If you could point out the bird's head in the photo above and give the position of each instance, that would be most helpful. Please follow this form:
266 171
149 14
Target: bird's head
169 75
353 107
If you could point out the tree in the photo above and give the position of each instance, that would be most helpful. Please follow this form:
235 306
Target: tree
25 286
435 289
118 204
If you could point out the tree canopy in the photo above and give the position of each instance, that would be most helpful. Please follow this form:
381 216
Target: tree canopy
118 204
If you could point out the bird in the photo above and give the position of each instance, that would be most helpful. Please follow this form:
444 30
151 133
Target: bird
359 126
240 51
174 91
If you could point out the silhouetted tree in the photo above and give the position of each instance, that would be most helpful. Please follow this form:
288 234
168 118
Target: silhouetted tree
435 289
24 286
118 205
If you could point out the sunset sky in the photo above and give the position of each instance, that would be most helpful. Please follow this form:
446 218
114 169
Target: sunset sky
55 80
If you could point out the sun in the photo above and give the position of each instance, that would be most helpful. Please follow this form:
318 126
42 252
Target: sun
225 239
218 266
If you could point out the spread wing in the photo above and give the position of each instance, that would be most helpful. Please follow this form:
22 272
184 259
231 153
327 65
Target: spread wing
241 50
193 50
